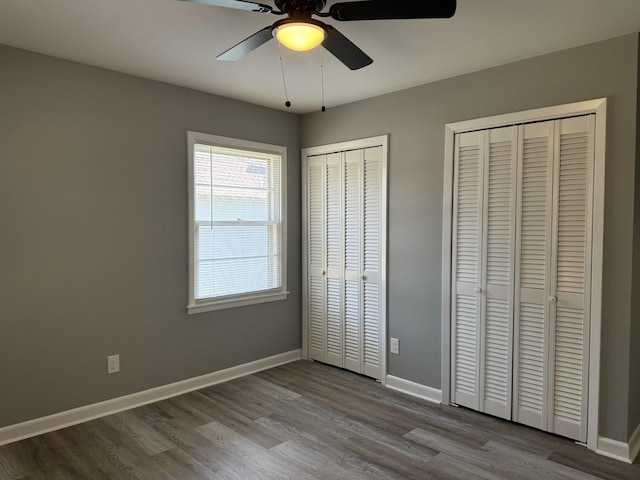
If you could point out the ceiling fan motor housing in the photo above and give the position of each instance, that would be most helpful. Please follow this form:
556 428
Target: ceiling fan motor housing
306 6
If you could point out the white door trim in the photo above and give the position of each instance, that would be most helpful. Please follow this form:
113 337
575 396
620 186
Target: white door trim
599 108
383 141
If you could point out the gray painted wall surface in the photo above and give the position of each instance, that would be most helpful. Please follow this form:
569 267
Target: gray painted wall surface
95 163
93 243
415 120
634 362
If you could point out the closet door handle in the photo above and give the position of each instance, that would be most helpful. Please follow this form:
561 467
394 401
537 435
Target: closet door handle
553 299
324 272
477 290
363 277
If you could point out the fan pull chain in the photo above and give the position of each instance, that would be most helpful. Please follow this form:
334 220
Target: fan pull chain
324 109
284 81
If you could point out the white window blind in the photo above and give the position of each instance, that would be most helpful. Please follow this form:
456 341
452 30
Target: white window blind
237 221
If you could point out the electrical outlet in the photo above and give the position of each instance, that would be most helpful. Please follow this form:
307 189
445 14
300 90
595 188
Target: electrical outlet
395 346
113 364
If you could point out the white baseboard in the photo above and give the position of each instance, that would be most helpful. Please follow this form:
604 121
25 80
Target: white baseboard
414 389
38 426
625 452
613 449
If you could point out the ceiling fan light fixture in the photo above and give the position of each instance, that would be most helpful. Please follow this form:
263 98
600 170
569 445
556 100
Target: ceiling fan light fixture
300 36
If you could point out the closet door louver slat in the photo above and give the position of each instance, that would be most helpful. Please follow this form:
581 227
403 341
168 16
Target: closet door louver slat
530 386
466 351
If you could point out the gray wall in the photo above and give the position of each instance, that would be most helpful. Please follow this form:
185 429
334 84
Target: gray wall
93 239
93 212
415 119
634 362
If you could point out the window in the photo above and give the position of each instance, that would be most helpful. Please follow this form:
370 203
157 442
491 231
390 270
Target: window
237 222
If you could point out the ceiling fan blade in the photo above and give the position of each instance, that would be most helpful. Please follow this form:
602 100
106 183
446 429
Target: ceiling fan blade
247 45
237 4
392 10
345 50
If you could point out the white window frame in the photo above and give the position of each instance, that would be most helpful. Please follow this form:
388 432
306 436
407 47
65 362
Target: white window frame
250 298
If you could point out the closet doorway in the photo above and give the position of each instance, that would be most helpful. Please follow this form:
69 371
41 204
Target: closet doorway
522 266
344 255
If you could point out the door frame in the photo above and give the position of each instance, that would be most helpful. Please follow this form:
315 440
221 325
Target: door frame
378 141
598 107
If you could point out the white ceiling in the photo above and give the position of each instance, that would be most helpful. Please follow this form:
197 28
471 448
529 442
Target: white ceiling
177 42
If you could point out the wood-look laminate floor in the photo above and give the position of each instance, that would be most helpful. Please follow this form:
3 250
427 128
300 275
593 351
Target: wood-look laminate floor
302 421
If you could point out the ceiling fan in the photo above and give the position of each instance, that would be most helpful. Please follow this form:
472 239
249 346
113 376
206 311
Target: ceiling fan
299 31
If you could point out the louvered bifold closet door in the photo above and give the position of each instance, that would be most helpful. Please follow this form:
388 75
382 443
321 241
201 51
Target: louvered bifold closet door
316 296
570 277
498 240
372 232
553 276
345 241
533 252
353 325
362 242
334 248
467 263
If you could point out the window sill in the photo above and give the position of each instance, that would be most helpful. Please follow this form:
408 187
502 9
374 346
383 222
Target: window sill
236 302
